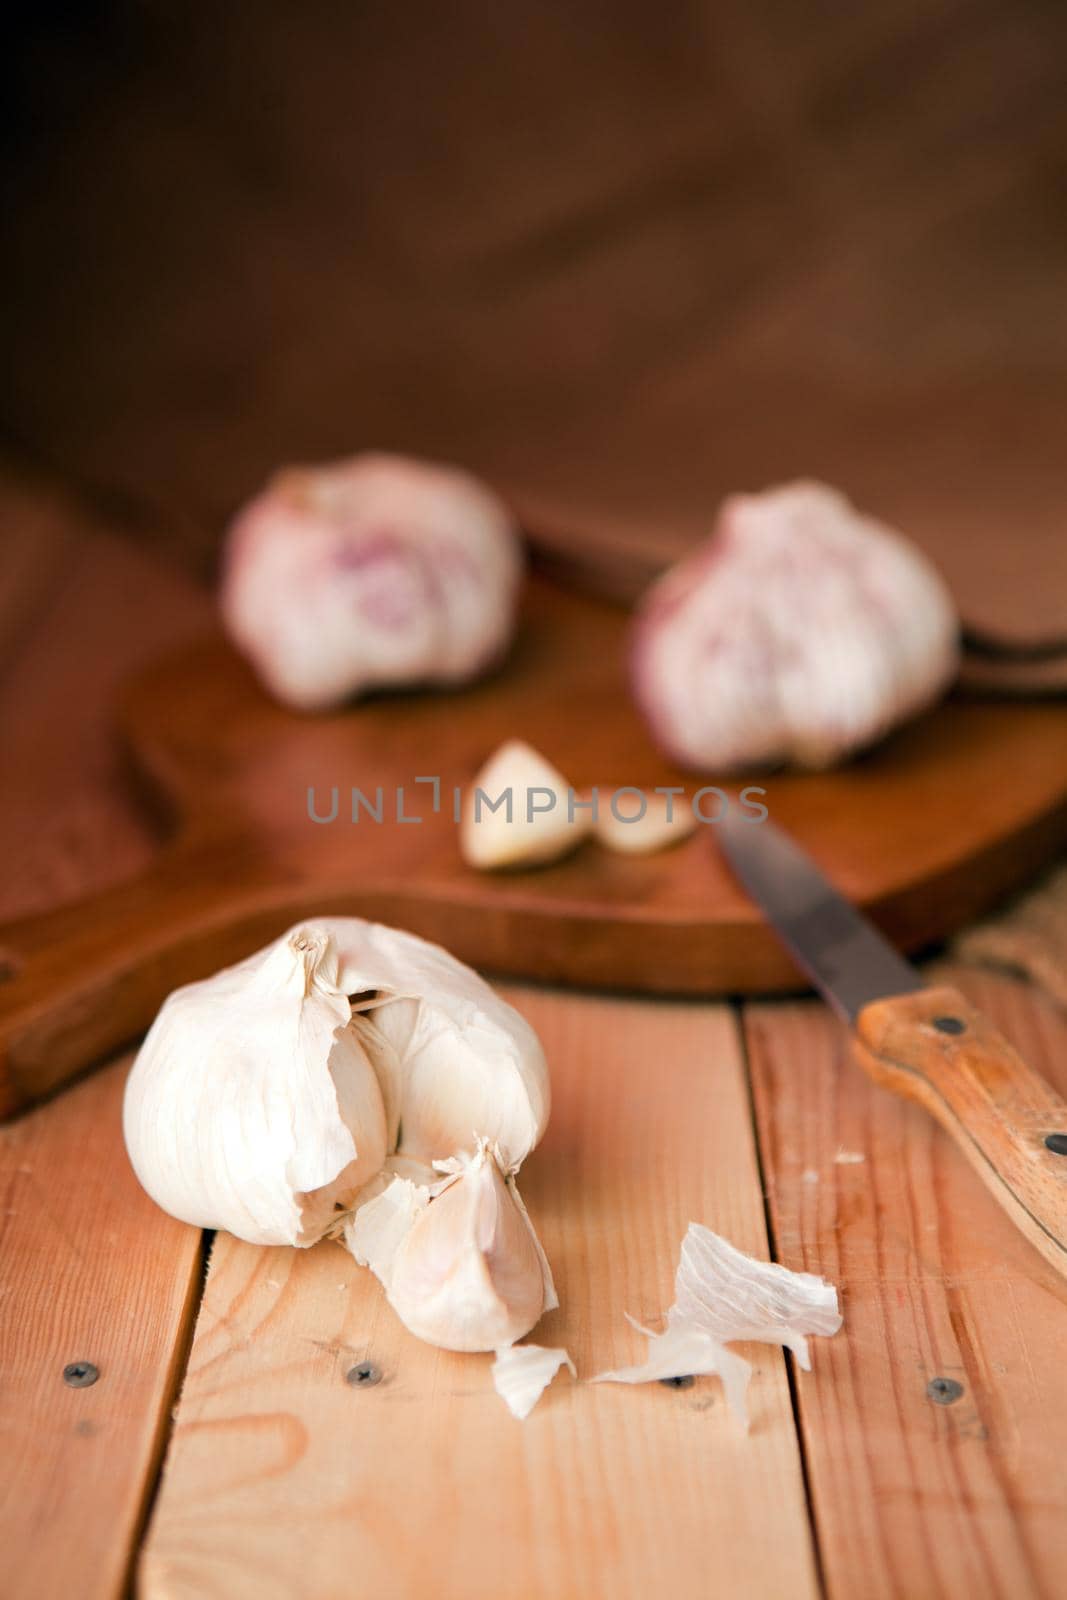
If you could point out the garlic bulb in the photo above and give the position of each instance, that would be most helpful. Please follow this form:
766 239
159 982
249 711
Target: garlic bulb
369 572
251 1105
520 811
800 632
468 1272
262 1102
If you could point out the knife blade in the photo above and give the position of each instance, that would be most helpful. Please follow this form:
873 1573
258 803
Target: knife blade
928 1044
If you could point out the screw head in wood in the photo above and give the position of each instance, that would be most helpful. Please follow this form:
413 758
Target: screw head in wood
1057 1143
80 1374
364 1375
943 1391
949 1025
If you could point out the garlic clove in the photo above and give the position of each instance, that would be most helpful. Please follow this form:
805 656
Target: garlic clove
534 818
451 1056
666 820
374 571
800 632
252 1106
469 1272
522 1373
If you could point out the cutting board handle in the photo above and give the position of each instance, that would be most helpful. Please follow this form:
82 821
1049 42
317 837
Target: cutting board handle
79 982
933 1047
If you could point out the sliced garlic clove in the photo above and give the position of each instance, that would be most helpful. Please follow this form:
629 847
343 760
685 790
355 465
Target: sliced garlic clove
252 1106
522 1373
626 828
469 1274
520 811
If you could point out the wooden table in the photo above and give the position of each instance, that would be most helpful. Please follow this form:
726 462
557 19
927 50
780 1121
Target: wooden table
221 1452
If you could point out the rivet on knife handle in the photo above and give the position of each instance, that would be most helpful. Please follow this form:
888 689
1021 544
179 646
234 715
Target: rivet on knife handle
933 1047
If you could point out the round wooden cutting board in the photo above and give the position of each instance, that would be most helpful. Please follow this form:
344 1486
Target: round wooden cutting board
923 832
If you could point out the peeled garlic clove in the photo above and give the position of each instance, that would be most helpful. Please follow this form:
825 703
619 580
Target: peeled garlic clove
632 830
522 1373
451 1056
800 632
468 1274
252 1106
370 572
520 811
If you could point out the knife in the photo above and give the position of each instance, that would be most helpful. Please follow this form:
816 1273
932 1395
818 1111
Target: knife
927 1044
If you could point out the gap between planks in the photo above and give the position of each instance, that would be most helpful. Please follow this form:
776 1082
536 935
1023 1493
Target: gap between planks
281 1480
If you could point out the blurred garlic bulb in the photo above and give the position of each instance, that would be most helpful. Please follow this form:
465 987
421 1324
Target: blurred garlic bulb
463 1270
262 1102
370 572
800 632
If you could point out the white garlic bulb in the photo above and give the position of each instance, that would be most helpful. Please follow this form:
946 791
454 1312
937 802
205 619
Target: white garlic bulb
261 1102
251 1105
467 1271
800 632
370 572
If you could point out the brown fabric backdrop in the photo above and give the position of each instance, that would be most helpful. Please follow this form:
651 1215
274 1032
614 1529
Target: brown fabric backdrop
622 256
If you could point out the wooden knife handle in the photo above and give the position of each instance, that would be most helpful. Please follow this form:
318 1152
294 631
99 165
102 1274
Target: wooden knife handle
933 1047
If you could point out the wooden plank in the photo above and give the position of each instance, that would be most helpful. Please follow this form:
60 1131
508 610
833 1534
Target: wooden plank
284 1480
91 1271
89 1268
913 1499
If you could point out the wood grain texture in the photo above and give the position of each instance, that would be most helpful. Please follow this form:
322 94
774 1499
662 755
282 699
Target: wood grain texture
282 1480
90 1270
995 1107
919 832
914 1500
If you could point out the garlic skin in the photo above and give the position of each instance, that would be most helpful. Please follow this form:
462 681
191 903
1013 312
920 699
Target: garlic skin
469 1274
800 632
522 1373
370 572
539 827
262 1103
251 1105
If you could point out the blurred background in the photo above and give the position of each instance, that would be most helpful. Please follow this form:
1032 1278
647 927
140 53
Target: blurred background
622 258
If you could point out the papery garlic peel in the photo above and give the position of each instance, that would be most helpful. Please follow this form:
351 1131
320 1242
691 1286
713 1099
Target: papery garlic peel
263 1103
370 572
722 1295
519 811
802 631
